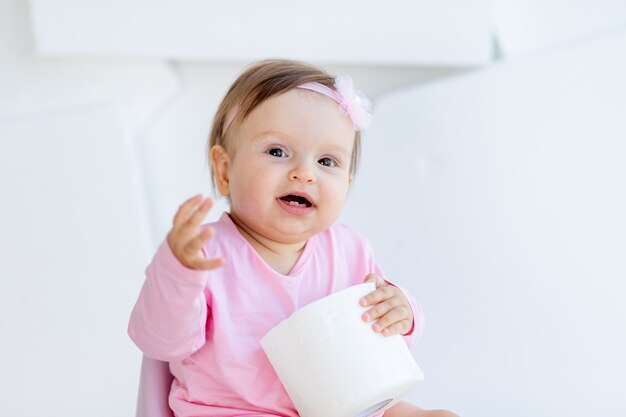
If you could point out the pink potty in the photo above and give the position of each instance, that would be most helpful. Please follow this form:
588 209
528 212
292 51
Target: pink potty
155 382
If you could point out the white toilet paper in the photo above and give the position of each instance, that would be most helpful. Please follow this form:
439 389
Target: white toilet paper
333 364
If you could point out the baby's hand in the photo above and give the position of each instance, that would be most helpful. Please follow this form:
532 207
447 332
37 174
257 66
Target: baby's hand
185 241
391 308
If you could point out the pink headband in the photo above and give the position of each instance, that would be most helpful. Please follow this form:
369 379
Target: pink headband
351 103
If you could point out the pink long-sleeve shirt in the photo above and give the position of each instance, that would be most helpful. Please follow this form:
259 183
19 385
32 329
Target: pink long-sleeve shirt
208 324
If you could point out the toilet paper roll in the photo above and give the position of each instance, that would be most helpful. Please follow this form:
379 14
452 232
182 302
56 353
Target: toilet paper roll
333 364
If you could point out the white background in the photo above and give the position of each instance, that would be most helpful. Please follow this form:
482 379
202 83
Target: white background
491 184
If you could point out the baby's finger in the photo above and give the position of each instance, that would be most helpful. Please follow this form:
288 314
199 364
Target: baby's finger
381 309
400 327
185 209
209 263
195 245
392 317
375 279
189 229
198 215
375 297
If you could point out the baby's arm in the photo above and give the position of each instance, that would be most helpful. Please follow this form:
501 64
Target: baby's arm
394 310
169 319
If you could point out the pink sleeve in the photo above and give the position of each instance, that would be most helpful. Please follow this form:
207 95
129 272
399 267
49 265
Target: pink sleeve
168 321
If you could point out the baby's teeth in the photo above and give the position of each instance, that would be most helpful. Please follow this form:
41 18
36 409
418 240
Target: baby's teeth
295 203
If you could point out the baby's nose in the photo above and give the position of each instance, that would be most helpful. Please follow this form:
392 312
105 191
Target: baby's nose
303 172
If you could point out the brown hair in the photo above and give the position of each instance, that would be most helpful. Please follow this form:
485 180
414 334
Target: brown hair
259 82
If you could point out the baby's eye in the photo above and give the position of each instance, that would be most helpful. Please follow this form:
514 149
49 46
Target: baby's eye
328 162
277 152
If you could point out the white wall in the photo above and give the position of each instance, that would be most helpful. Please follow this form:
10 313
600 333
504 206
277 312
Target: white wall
498 199
349 31
527 27
73 246
506 178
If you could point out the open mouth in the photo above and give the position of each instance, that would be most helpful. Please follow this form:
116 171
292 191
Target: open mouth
296 200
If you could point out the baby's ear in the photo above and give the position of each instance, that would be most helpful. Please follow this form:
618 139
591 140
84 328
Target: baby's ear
220 162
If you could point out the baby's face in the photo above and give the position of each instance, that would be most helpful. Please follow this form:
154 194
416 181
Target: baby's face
289 168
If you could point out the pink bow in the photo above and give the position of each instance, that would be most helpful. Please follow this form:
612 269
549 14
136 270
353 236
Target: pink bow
353 103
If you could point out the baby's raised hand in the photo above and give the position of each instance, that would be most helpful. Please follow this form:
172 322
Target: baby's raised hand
185 241
391 308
